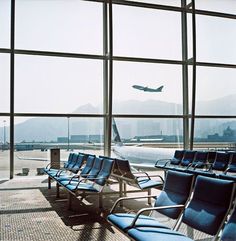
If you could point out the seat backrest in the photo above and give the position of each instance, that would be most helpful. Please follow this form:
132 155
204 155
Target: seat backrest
200 158
89 164
228 177
80 161
232 164
211 156
125 169
178 156
176 190
188 158
201 173
70 157
116 171
96 167
229 231
105 172
221 161
73 161
209 205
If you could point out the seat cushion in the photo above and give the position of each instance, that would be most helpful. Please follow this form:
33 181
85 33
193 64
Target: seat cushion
124 220
81 187
51 172
229 231
147 183
156 234
65 178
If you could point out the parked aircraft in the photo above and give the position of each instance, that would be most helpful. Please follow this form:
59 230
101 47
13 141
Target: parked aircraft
140 157
147 89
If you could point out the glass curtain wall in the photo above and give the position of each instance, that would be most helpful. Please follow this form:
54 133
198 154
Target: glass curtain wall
215 75
163 71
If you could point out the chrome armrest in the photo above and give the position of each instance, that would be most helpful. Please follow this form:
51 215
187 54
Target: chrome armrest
162 160
129 198
151 209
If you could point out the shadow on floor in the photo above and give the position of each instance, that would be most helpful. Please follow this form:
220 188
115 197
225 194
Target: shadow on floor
85 211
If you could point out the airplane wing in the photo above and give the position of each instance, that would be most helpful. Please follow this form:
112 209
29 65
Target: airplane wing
32 158
143 167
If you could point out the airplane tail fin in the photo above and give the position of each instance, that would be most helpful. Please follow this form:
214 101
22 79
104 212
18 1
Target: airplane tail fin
160 88
116 135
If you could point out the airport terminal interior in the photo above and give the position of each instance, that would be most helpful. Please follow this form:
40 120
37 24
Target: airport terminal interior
104 101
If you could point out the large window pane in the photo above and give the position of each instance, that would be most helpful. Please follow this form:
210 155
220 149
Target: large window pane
5 83
216 92
215 133
147 140
5 10
67 26
161 2
4 148
226 6
144 32
129 100
216 39
58 85
34 137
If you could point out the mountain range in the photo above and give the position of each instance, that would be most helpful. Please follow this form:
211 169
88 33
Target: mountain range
50 128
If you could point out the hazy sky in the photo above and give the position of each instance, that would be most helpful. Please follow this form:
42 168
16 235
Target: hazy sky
49 84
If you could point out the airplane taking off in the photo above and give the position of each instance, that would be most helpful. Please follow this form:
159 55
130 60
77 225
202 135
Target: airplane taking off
147 89
140 157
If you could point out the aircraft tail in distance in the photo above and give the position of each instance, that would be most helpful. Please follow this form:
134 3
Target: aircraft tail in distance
116 135
160 88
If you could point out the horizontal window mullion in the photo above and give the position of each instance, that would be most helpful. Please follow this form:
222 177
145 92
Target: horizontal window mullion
58 54
214 14
147 60
56 115
147 116
218 65
215 116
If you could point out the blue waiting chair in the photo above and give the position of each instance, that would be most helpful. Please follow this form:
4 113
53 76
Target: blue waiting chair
229 231
141 180
200 160
92 169
49 169
221 162
232 163
186 161
206 212
90 184
84 172
68 166
176 191
170 163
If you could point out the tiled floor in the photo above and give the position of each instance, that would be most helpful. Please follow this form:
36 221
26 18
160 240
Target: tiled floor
29 211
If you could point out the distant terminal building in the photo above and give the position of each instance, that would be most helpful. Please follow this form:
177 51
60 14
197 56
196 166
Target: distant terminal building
157 138
62 139
81 139
229 135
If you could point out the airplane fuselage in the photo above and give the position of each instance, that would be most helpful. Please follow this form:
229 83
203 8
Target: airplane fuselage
143 156
147 89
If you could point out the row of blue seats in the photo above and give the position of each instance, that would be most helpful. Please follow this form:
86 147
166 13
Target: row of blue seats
210 161
89 166
176 191
203 203
87 174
